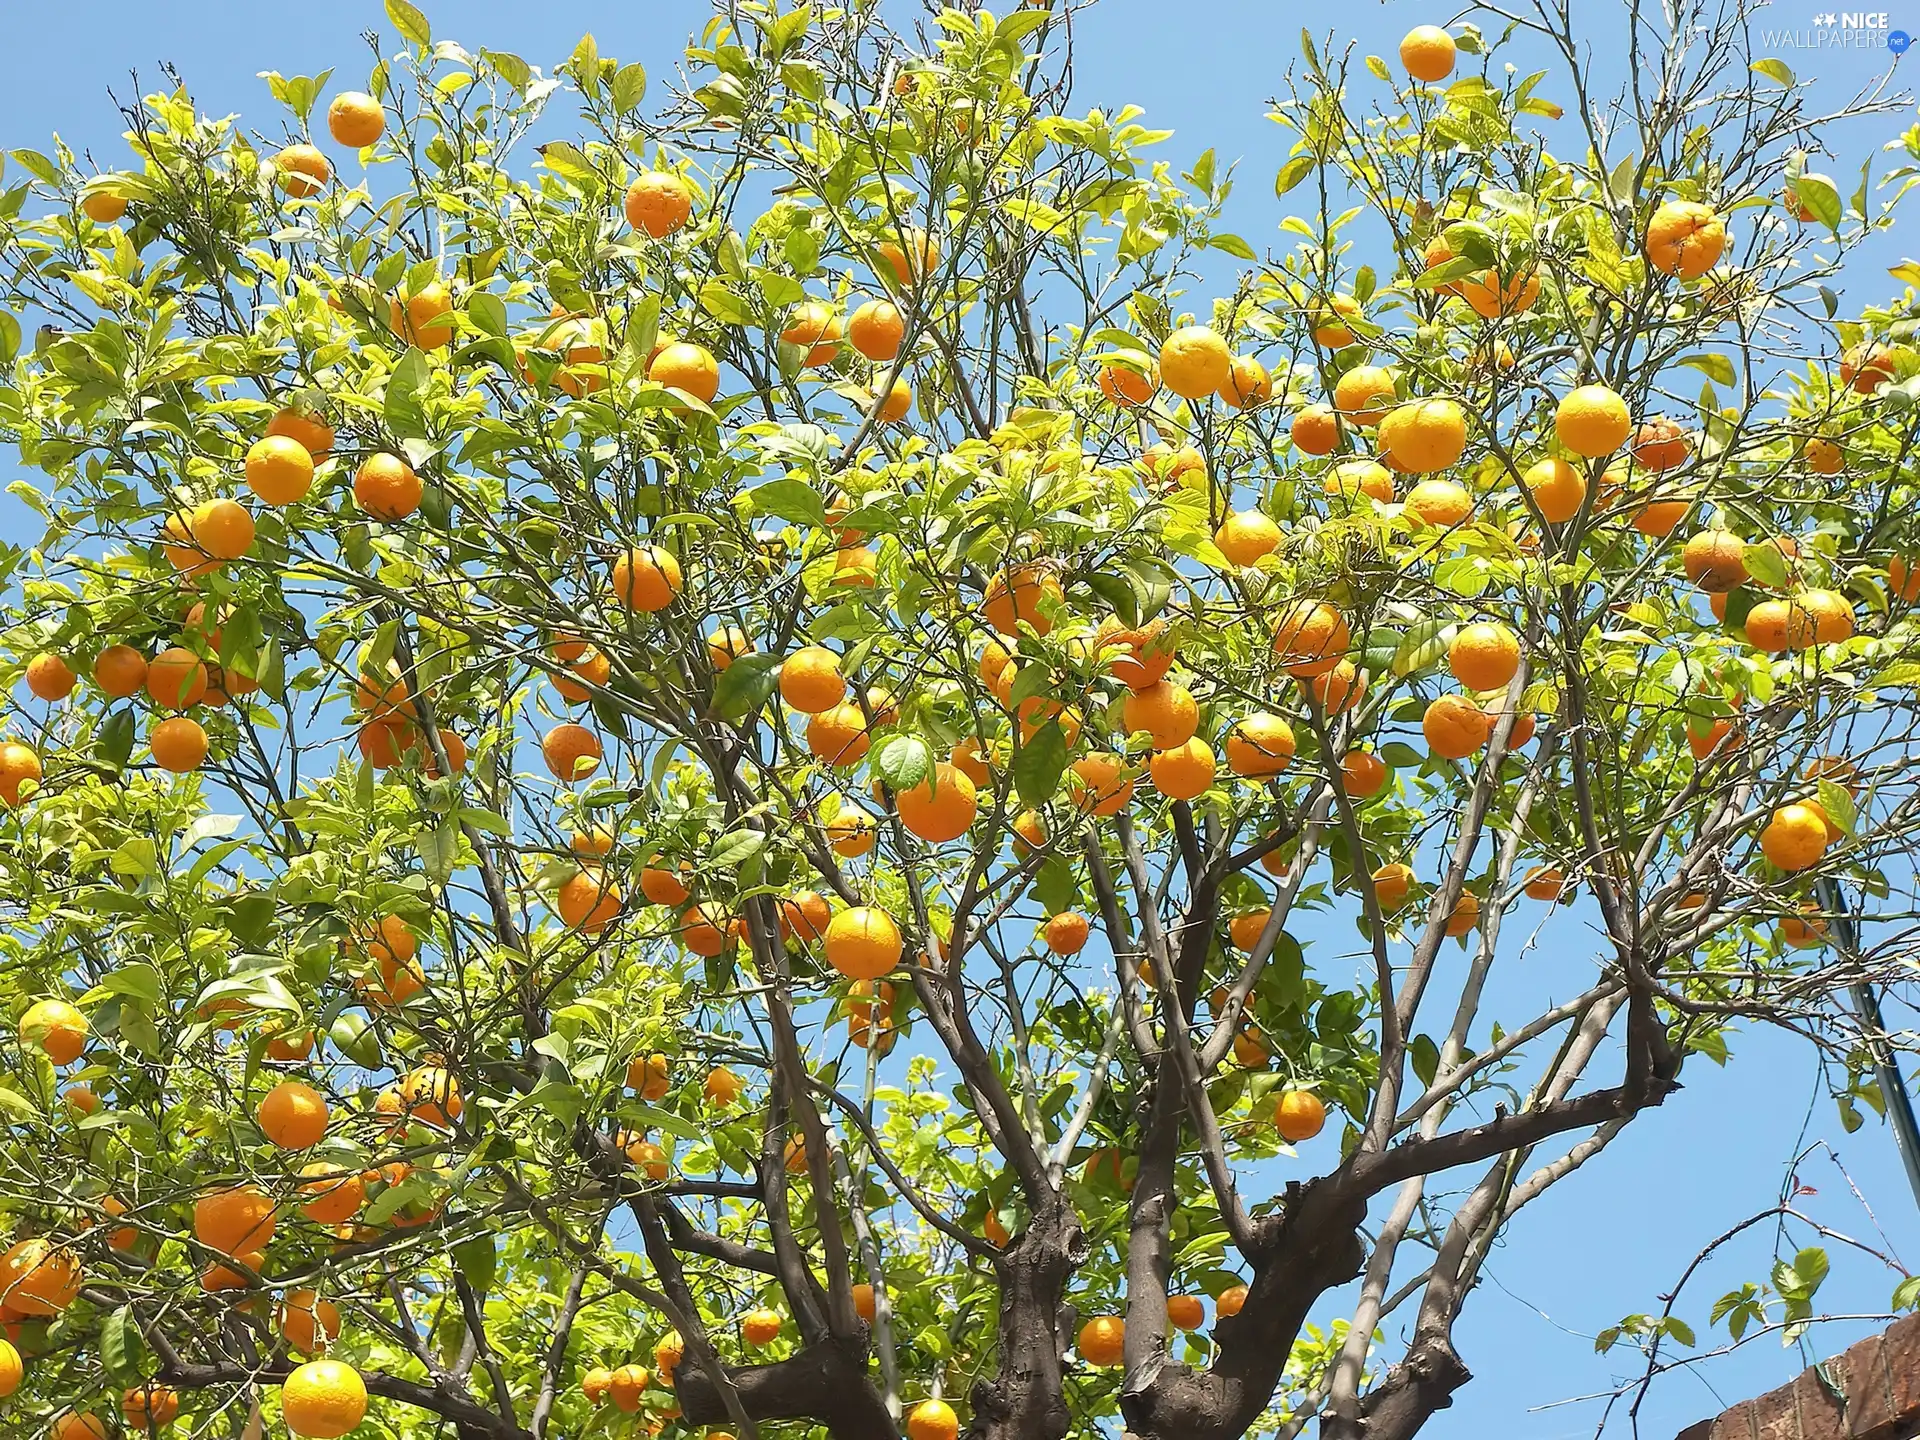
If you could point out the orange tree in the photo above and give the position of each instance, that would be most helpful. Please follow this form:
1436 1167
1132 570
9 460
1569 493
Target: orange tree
548 662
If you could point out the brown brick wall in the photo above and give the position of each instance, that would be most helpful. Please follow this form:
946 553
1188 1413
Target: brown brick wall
1872 1392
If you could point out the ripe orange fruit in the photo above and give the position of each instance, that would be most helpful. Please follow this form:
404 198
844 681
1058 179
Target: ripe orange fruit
1557 488
1102 1340
1195 362
303 171
1685 238
1166 711
1715 560
293 1116
1246 930
1546 882
588 901
1126 386
102 207
595 1384
863 943
1795 837
386 488
668 1353
626 1385
149 1407
646 578
18 765
1248 384
1299 1115
1311 638
1363 774
308 1323
662 887
38 1278
933 1420
658 202
687 367
78 1425
1100 784
279 470
1392 884
1424 435
722 1087
815 326
1330 329
1777 626
1260 746
650 1076
1186 1312
1356 478
1903 578
423 317
306 428
1832 615
1183 772
1455 727
1806 931
235 1221
222 528
1014 597
1363 394
1823 456
1067 932
850 834
332 1194
1427 52
839 736
1660 444
876 330
1440 504
572 752
57 1028
1492 297
355 119
1592 420
580 680
1867 367
177 679
1136 658
910 257
1464 916
1339 689
1660 518
323 1400
805 915
1315 430
941 809
760 1327
897 402
49 677
1245 536
1484 656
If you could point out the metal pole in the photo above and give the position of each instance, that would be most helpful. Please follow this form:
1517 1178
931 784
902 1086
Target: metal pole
1893 1090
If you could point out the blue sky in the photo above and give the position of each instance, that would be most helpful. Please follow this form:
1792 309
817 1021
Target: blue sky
1606 1243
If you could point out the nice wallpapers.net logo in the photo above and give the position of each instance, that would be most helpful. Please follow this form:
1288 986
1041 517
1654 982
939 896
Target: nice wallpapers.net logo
1841 30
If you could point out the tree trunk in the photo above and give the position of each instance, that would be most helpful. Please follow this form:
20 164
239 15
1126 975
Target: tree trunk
1026 1400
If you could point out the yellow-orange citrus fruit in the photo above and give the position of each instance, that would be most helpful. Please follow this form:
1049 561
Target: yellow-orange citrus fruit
1299 1115
293 1116
1102 1340
1195 362
646 578
658 202
1592 420
323 1400
863 943
356 119
1427 52
1685 238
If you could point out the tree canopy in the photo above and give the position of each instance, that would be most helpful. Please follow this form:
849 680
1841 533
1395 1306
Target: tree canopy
701 767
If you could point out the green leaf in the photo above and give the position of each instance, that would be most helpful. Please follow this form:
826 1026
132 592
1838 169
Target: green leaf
411 24
1425 1058
1906 1294
903 761
354 1038
1039 762
726 306
789 499
489 312
114 743
405 415
1292 173
1718 367
1820 195
732 851
1775 70
629 87
1838 805
1766 564
1421 645
123 1350
745 685
478 1260
438 849
584 66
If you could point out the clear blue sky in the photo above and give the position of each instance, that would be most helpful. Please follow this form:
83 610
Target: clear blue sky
1609 1241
